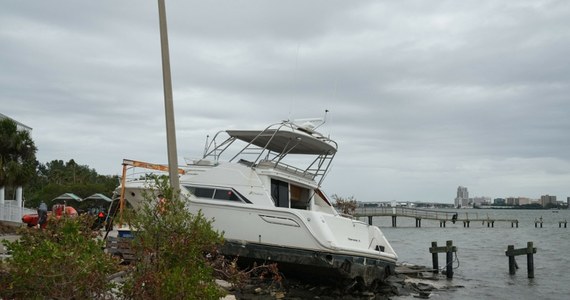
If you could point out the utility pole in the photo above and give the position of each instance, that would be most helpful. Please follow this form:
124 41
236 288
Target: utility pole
168 103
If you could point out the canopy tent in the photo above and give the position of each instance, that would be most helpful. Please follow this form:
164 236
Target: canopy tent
67 198
97 200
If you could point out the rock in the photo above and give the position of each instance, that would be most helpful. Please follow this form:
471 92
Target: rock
224 284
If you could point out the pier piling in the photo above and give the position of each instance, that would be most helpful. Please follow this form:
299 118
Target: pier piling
529 251
562 222
448 249
434 258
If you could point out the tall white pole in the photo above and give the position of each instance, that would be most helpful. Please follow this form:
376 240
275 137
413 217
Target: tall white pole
168 104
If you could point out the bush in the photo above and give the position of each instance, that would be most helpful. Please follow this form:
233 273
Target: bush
172 247
345 205
62 261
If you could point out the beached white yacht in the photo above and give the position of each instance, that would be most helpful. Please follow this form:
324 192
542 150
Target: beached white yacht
267 199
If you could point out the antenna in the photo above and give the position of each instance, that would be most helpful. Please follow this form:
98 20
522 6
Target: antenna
324 120
206 145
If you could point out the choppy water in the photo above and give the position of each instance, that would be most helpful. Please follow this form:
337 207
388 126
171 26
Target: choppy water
482 264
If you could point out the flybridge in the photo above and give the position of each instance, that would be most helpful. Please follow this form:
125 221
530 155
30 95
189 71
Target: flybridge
276 144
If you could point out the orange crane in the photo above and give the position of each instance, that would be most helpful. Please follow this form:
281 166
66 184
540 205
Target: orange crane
138 164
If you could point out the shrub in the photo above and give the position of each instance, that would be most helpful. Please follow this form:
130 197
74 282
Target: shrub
345 205
62 261
172 248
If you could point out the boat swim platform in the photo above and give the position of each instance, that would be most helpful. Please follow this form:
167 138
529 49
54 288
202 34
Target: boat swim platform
435 215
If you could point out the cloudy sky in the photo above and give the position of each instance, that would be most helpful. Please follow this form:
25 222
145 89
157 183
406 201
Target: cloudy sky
423 96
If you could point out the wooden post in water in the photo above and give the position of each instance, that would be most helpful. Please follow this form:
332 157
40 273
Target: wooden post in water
529 251
512 262
369 220
530 259
449 260
434 258
448 249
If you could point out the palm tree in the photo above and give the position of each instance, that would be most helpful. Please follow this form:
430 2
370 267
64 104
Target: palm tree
17 155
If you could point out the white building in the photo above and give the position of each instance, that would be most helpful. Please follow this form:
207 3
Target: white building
462 198
12 210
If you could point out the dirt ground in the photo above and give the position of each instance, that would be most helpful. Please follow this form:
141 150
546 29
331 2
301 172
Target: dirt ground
7 228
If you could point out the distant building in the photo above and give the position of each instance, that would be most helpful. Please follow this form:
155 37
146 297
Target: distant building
545 200
524 201
462 198
499 201
481 200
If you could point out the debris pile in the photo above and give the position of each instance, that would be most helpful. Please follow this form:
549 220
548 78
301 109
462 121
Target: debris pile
413 281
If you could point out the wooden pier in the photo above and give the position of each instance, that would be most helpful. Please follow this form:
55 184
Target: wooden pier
435 215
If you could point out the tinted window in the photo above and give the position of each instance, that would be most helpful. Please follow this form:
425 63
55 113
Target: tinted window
204 192
225 195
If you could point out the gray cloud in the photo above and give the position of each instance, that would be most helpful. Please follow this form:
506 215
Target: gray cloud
424 96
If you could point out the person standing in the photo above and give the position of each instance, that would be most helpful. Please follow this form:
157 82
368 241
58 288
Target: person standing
42 214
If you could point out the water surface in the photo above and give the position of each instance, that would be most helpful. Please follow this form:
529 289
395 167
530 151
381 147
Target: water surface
482 266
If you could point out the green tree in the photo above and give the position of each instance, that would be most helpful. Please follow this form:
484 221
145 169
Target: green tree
57 177
17 155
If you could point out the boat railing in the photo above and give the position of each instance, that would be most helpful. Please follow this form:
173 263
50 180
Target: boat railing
135 175
286 168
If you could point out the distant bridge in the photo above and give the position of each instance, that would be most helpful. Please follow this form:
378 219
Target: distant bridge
420 214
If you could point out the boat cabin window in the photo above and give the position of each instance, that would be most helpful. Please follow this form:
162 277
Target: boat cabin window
285 194
280 193
299 197
221 194
216 193
203 192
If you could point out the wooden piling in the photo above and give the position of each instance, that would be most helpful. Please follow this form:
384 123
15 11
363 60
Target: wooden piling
418 222
448 249
434 258
512 261
369 220
530 259
393 221
449 260
529 251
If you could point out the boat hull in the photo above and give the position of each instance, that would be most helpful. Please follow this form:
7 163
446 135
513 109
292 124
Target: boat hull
312 265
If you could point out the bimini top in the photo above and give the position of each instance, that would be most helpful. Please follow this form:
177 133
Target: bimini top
286 141
273 144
